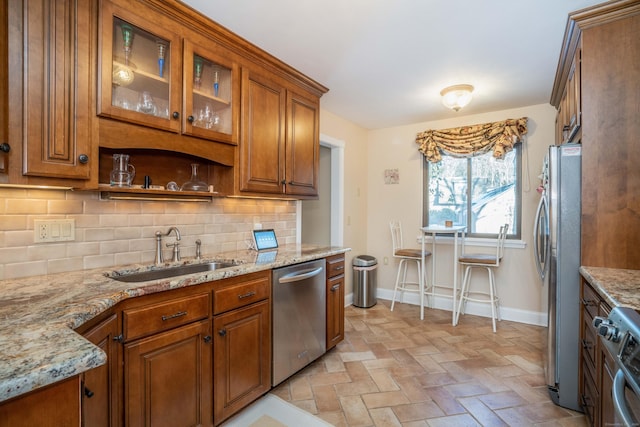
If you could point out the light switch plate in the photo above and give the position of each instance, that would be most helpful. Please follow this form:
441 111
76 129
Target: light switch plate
54 230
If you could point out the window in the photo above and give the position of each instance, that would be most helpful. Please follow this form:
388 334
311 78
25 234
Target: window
480 192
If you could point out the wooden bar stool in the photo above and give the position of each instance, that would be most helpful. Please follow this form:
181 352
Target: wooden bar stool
490 262
406 256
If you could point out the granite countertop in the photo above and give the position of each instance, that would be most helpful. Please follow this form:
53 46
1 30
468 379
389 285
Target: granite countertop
618 287
38 315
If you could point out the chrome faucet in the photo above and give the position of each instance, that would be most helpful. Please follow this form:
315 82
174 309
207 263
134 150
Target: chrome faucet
176 248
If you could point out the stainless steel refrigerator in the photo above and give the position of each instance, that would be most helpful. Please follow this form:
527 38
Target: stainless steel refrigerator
557 250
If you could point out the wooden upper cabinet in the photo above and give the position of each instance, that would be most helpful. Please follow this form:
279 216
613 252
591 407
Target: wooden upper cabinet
151 75
49 116
133 85
302 145
262 154
279 150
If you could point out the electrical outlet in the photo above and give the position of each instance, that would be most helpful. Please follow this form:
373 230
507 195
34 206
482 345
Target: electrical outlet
54 230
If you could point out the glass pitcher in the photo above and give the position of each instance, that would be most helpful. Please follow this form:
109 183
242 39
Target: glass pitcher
123 172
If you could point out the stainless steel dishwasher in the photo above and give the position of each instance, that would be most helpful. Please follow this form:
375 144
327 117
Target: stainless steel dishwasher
299 317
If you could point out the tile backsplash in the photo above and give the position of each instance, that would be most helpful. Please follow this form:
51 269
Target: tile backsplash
110 233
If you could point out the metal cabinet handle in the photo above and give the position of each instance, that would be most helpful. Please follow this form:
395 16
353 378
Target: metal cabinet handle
222 332
173 316
587 344
175 115
340 267
207 339
191 119
5 147
335 288
588 302
83 159
247 295
88 392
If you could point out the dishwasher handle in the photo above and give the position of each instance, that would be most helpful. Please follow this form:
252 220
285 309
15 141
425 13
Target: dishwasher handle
300 275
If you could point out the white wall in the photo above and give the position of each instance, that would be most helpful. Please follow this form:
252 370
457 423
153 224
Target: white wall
391 148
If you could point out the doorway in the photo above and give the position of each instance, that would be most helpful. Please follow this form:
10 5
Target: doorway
320 221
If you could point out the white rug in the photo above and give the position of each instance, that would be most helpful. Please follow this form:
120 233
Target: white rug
271 411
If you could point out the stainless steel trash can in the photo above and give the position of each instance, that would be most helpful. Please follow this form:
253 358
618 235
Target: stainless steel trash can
365 281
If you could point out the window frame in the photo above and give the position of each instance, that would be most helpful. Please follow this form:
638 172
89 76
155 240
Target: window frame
513 234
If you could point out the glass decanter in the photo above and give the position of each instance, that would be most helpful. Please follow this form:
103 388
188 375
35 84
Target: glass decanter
195 183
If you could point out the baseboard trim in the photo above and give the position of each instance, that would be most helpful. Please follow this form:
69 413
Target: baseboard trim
475 308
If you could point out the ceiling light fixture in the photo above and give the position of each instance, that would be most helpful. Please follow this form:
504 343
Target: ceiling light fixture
456 97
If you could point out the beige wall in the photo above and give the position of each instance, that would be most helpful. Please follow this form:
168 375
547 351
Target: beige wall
112 233
355 184
393 148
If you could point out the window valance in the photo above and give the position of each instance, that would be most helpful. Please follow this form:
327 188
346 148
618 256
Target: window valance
472 140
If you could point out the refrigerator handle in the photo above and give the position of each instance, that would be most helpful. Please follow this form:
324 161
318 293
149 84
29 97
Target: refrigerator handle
540 257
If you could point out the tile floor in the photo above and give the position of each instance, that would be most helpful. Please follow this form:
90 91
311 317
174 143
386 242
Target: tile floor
394 370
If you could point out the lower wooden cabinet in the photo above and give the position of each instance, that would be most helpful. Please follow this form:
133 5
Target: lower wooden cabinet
101 395
52 406
335 300
168 378
242 358
597 366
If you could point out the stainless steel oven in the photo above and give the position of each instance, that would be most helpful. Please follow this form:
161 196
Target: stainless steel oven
621 335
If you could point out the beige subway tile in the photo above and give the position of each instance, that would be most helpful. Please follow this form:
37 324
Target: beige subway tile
13 254
98 234
152 208
99 207
46 251
128 207
25 269
113 220
26 206
65 207
121 233
140 220
114 247
18 238
64 265
85 220
99 261
83 249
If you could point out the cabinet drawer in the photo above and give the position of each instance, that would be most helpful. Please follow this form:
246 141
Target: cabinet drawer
335 265
589 400
590 300
138 322
241 294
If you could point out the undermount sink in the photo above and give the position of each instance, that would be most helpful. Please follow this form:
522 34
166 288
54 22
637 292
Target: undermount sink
143 276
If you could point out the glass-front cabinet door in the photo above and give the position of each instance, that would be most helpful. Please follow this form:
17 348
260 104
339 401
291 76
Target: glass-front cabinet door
210 95
140 70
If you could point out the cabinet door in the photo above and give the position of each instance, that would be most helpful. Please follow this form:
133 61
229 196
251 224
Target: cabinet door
302 145
168 378
52 406
101 401
139 69
335 310
262 148
242 358
210 94
56 115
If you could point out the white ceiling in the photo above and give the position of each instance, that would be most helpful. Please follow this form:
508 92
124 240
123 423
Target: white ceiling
385 61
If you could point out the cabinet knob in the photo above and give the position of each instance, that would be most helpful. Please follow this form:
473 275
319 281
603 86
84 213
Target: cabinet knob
190 119
175 115
88 392
283 182
83 159
222 332
5 147
207 339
